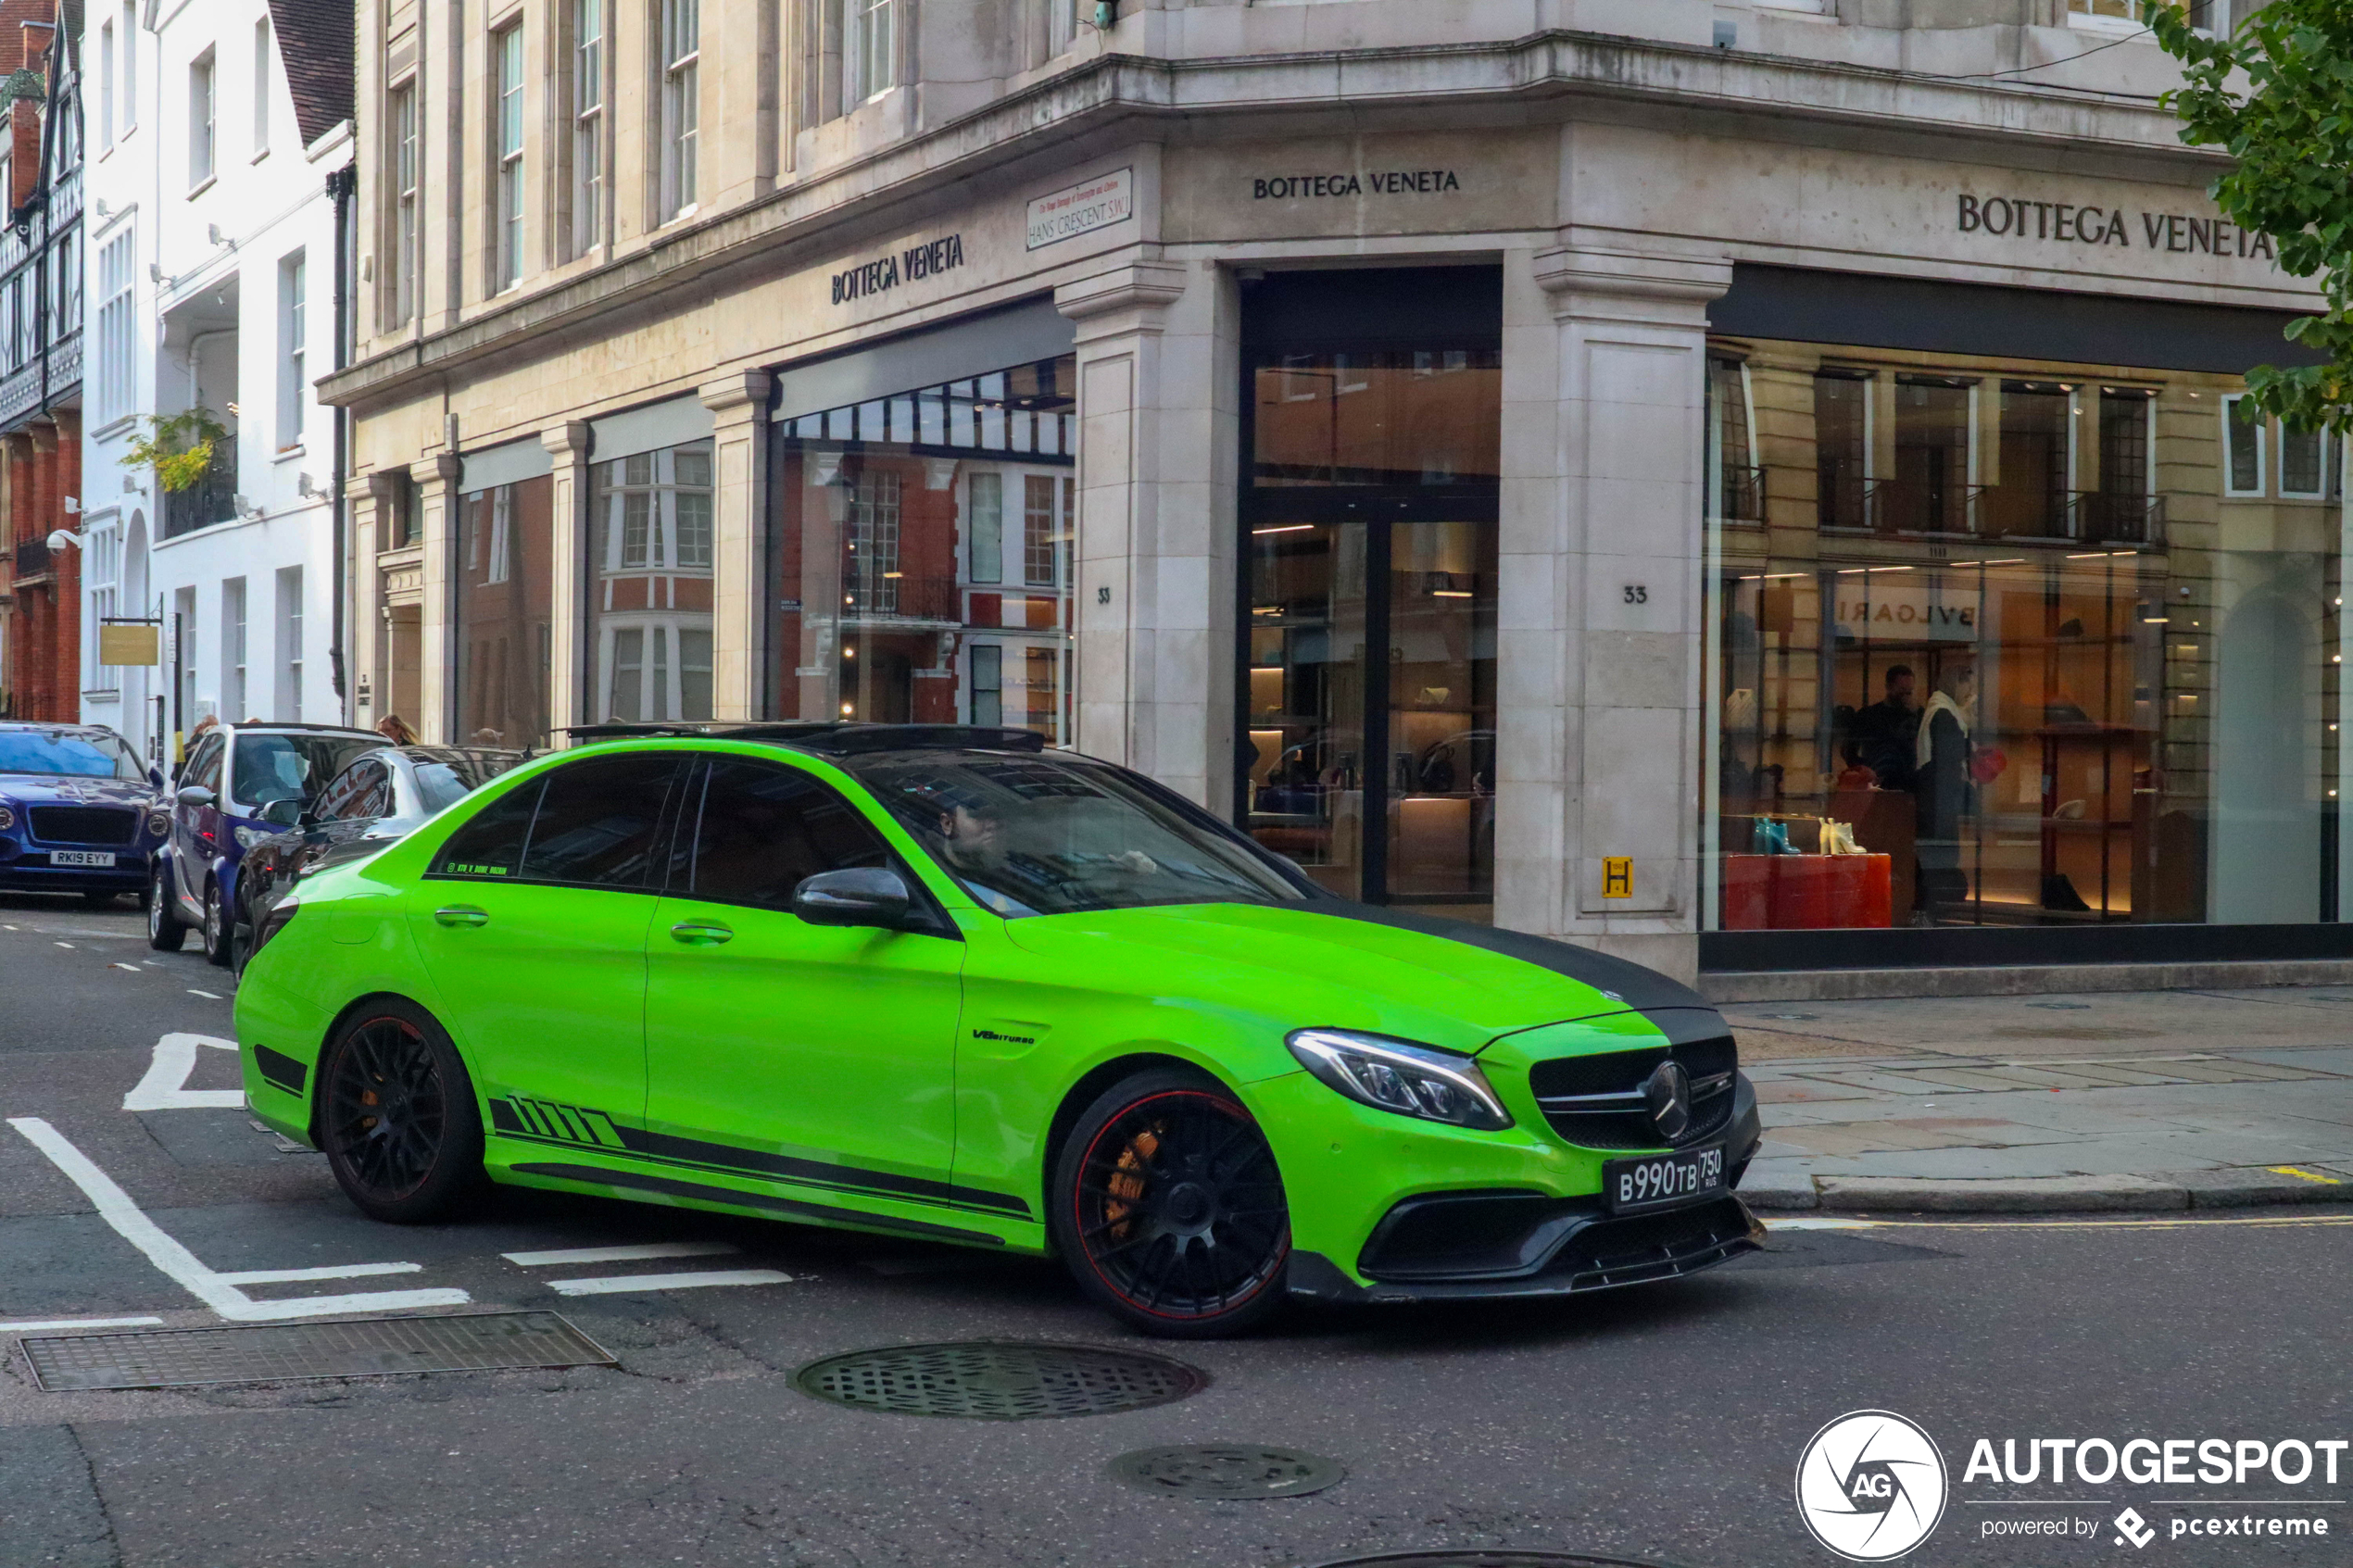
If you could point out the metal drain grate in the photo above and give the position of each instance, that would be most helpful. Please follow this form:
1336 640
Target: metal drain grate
1225 1471
291 1352
1476 1557
989 1380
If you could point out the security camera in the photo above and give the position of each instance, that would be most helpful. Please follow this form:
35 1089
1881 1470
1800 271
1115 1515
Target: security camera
60 540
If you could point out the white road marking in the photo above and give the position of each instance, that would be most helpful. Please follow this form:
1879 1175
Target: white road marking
1820 1225
132 967
76 1323
174 1060
339 1271
182 1266
65 944
206 995
624 1283
620 1254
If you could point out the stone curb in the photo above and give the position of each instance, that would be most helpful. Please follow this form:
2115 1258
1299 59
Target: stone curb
2241 1187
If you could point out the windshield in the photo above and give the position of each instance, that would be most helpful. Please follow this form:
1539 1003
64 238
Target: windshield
291 767
69 756
451 778
1042 835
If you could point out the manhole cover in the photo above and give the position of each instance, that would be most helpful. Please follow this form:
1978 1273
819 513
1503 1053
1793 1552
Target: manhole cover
290 1351
991 1381
1478 1559
1226 1471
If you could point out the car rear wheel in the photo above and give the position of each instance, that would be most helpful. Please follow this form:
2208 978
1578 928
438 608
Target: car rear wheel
216 928
166 930
397 1115
1169 1210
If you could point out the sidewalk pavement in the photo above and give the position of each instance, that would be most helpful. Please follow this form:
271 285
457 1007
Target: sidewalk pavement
2124 1100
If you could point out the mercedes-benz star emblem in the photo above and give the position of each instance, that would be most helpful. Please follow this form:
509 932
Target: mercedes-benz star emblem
1669 1094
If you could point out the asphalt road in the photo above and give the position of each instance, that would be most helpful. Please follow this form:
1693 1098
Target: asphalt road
1662 1423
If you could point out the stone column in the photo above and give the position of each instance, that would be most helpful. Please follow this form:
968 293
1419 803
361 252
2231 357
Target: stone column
1154 553
566 448
368 500
738 405
1601 633
436 481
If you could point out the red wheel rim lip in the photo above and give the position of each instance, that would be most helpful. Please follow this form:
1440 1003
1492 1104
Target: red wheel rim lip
1078 1220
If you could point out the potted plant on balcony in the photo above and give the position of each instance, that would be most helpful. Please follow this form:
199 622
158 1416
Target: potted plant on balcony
179 447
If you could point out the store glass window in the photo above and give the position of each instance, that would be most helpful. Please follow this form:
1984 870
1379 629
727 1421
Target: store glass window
649 620
922 556
1368 751
504 580
2018 643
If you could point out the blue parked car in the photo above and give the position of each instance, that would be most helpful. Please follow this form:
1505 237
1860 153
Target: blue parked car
77 811
220 807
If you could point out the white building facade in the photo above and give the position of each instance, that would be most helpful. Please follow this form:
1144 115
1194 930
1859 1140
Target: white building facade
211 281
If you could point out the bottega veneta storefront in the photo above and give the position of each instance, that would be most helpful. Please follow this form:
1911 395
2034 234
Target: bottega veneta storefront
1585 529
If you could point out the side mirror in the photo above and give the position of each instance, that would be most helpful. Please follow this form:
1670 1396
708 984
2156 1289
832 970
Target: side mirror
285 813
196 795
155 777
862 896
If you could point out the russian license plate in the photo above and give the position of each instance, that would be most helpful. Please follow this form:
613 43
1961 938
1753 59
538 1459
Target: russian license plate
1632 1184
82 858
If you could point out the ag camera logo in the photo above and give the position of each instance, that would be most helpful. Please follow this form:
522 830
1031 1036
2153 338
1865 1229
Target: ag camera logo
1870 1485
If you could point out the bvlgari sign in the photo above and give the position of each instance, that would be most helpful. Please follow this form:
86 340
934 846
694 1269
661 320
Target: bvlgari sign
2180 234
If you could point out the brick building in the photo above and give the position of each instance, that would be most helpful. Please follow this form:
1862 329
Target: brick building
41 629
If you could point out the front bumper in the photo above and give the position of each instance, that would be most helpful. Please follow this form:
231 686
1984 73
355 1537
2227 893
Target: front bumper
29 871
1536 1225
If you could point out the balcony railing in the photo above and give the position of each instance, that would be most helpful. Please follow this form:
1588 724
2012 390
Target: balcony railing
1980 511
1740 493
2094 518
33 559
211 499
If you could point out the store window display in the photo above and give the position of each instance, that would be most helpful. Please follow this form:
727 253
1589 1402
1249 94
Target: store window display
504 580
2015 643
649 610
922 556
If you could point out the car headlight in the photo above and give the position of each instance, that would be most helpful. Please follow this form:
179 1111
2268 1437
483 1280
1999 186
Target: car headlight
248 837
8 818
158 823
1407 1079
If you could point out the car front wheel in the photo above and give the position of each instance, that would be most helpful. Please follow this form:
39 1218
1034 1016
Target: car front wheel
1169 1210
166 930
397 1115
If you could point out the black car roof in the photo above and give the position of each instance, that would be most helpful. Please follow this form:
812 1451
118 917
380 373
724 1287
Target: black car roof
831 739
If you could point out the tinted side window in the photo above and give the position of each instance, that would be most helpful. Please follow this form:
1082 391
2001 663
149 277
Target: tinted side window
204 768
763 828
352 793
492 845
597 822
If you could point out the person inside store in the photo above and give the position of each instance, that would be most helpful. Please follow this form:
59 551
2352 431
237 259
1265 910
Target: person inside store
1886 733
1943 784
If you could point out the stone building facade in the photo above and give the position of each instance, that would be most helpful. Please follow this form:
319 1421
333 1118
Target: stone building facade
1498 452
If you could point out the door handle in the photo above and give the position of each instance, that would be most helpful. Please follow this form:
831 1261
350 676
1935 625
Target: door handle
700 934
462 914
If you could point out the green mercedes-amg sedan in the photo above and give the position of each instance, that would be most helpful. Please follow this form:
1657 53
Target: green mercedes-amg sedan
940 983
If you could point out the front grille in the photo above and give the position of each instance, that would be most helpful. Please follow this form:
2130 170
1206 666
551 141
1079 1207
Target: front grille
1595 1101
85 824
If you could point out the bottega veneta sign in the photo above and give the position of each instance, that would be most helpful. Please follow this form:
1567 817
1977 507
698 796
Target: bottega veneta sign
1378 182
914 264
2174 232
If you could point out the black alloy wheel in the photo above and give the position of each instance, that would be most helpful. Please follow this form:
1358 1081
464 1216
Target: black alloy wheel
166 930
397 1115
214 934
1169 1207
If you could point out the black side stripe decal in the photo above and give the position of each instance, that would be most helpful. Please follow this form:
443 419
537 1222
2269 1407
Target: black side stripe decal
793 1207
544 1122
278 1068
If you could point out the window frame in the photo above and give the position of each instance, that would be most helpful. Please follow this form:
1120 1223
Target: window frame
2261 426
2320 492
293 343
404 156
263 48
587 182
679 125
204 128
869 50
506 141
684 771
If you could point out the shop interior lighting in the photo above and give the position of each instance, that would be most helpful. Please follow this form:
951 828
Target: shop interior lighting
1286 528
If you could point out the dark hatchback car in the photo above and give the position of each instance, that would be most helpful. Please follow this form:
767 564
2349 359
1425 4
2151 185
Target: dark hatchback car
380 796
77 811
233 774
